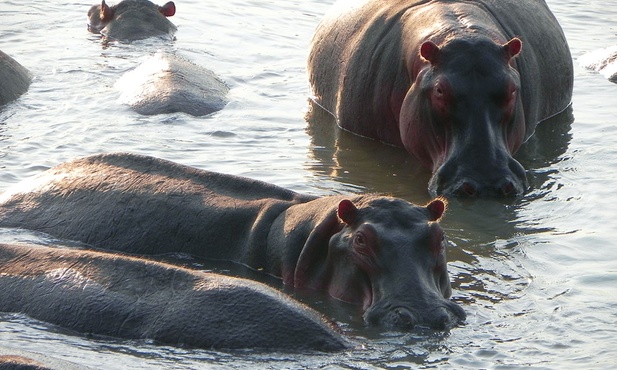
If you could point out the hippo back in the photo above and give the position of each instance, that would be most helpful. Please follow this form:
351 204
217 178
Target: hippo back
14 78
146 205
359 62
99 293
167 83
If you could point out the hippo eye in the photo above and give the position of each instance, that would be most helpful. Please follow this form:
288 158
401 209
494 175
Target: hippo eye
360 239
511 94
438 91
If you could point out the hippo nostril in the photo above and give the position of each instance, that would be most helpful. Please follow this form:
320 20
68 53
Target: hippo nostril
508 189
447 317
443 319
467 189
404 318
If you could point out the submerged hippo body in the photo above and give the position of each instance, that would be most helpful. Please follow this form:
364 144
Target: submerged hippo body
14 79
108 294
166 83
460 84
382 253
131 20
603 61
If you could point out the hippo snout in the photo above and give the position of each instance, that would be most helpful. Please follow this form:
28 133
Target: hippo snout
396 318
445 318
470 188
442 317
400 318
457 180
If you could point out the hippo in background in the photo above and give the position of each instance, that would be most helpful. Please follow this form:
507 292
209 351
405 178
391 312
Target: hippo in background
14 79
381 253
167 83
131 20
603 61
99 293
461 85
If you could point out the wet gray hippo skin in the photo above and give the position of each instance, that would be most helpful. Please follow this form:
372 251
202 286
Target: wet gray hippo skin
15 79
131 20
382 253
461 85
167 83
107 294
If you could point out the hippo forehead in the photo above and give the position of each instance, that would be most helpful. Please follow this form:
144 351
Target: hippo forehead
393 212
479 55
135 4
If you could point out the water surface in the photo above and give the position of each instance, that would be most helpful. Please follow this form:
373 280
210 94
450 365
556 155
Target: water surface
537 276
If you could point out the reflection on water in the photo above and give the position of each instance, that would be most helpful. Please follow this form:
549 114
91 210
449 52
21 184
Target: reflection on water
366 164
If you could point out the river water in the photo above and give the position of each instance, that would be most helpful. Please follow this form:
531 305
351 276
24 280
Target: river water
537 276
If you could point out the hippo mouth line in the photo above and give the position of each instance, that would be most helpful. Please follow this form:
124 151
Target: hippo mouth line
369 296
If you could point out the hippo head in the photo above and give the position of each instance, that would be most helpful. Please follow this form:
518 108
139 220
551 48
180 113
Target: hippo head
463 117
134 19
389 256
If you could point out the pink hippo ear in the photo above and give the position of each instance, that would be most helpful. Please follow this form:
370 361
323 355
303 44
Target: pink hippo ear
106 14
168 10
513 47
436 208
347 211
429 51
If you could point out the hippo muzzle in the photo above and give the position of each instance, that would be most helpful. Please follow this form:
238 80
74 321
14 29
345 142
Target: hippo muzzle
404 316
499 178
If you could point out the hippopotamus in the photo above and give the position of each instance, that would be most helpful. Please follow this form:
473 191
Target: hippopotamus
167 83
15 79
131 20
94 292
461 85
384 254
603 61
16 362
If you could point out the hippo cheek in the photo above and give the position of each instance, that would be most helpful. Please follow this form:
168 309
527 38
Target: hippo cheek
471 177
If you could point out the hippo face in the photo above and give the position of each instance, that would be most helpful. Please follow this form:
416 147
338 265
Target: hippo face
463 117
131 19
394 255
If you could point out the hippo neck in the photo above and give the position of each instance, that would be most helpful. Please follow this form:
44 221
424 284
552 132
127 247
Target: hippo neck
298 243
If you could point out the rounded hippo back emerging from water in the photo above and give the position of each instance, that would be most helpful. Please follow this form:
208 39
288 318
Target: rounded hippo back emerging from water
166 83
460 84
107 294
382 253
131 20
14 79
603 61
